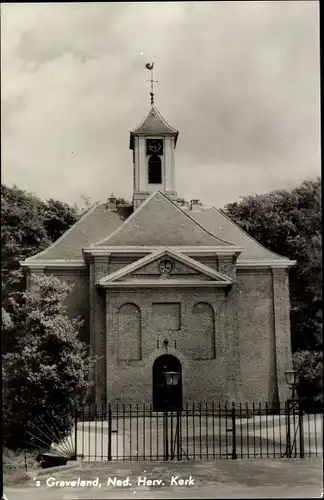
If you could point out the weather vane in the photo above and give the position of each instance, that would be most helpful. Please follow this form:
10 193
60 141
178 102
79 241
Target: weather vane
150 66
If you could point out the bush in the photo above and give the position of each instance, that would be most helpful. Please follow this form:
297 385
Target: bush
46 374
309 364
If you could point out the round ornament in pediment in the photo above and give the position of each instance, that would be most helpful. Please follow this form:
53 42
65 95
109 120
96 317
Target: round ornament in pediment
166 266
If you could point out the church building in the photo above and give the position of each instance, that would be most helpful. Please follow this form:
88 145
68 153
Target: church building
163 286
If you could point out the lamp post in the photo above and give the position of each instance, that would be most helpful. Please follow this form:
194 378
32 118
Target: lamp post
170 379
292 378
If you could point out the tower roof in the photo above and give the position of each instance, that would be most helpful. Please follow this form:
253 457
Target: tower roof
154 124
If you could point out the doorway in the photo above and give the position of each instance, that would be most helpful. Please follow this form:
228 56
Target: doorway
166 398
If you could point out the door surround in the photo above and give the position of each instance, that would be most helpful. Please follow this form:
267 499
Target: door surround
166 398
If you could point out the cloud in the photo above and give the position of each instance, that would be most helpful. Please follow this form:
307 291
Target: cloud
240 80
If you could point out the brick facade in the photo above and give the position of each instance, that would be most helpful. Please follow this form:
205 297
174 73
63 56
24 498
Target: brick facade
233 342
131 381
224 317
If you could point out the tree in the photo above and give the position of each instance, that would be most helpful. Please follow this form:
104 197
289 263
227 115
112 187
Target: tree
309 364
289 223
122 201
22 234
58 217
29 225
84 206
46 373
87 203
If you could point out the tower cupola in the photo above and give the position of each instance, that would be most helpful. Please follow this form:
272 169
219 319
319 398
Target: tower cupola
153 143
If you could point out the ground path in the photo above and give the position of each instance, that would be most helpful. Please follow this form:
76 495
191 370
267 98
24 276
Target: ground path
200 438
254 478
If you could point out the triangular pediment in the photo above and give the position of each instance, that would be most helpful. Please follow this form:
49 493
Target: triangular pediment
165 267
160 222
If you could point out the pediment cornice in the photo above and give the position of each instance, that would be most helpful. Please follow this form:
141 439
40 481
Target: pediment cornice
202 275
185 250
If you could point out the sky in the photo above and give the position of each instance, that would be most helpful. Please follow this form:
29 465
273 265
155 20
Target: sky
239 80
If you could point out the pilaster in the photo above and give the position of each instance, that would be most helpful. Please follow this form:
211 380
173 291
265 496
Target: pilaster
167 161
142 167
136 165
282 335
227 265
233 362
99 267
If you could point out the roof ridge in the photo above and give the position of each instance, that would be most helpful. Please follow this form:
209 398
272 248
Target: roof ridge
164 121
142 122
81 219
120 228
247 234
125 221
154 108
197 223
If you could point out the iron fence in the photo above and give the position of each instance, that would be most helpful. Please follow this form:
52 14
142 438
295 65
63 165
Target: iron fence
197 432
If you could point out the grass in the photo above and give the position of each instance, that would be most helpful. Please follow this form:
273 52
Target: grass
17 465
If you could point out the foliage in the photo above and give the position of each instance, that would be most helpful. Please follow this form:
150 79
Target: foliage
6 320
289 223
58 217
22 234
309 364
13 474
44 363
46 371
28 225
17 465
84 206
122 201
87 203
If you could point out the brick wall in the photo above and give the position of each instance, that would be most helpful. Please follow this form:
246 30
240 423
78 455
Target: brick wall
211 262
282 332
131 381
119 262
256 333
98 268
250 320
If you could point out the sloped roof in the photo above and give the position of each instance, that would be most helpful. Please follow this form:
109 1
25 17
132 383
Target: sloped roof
223 227
157 222
95 223
154 124
160 222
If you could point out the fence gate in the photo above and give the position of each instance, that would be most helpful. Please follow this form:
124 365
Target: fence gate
200 431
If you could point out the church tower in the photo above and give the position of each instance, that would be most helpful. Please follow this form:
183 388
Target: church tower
153 144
